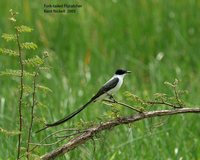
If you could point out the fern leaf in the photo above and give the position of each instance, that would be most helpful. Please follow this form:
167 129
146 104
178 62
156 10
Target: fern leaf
23 28
45 68
27 89
9 133
10 72
9 52
9 37
169 84
29 74
44 88
40 104
12 19
17 73
29 45
36 61
13 15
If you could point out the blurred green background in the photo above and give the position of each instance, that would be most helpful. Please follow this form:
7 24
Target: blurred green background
157 40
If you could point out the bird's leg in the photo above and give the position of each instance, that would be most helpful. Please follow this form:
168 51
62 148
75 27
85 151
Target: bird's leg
111 97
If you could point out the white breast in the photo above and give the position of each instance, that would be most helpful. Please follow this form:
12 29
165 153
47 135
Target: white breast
115 89
119 84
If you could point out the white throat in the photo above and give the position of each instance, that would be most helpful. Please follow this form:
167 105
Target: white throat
121 77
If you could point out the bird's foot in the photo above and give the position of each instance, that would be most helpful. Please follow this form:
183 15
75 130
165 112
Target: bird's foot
112 98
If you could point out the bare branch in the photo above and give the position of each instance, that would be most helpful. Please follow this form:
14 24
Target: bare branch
163 103
82 138
123 104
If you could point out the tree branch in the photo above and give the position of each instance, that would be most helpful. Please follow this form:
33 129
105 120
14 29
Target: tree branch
90 132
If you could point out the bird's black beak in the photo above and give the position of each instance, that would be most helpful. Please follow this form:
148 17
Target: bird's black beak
128 71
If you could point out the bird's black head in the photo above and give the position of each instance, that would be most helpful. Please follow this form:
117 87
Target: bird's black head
121 72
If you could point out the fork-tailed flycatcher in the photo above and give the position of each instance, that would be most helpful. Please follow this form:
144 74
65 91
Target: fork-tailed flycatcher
107 90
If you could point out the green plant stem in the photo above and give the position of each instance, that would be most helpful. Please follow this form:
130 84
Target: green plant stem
32 115
32 110
20 96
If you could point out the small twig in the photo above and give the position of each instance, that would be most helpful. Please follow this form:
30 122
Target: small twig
163 103
48 144
72 134
123 104
51 135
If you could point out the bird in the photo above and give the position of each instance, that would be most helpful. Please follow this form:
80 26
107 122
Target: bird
107 90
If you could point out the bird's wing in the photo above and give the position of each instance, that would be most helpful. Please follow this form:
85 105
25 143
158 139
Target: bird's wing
106 87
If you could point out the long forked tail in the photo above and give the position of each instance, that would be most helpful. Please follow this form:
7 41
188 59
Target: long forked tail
68 117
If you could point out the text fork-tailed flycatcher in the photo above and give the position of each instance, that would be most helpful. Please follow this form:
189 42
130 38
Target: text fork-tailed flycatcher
107 90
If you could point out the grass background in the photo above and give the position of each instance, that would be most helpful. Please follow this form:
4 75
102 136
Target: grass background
86 48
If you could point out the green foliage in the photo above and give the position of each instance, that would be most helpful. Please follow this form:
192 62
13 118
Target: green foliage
35 61
17 73
160 96
163 99
13 15
9 37
11 72
23 28
12 19
44 88
113 114
26 87
8 52
8 133
44 68
134 97
29 45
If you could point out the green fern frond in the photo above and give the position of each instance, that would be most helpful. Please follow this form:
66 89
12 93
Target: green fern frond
23 28
40 104
27 89
9 37
13 15
12 19
36 61
29 74
10 72
44 88
169 84
9 52
17 73
29 45
159 95
45 68
9 133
